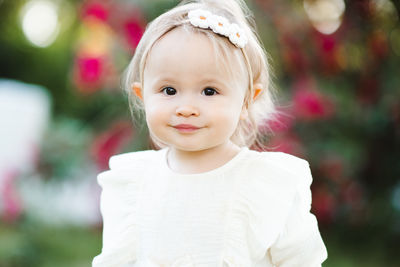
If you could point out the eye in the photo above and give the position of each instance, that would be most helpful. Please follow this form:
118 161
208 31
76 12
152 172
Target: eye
169 90
210 91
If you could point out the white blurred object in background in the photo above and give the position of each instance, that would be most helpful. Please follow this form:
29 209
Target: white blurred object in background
71 201
24 116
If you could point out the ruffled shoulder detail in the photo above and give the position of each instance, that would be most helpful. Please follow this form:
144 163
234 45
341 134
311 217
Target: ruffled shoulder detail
118 206
301 174
131 160
299 242
263 198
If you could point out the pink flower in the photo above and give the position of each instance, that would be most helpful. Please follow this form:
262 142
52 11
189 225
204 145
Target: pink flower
90 69
324 204
95 9
133 30
12 204
311 105
329 55
110 143
129 23
90 73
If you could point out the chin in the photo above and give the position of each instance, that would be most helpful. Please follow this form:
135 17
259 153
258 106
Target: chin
189 147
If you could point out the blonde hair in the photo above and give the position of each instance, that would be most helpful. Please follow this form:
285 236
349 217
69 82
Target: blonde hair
254 60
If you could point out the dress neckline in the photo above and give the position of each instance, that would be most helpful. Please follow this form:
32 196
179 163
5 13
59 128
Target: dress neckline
215 172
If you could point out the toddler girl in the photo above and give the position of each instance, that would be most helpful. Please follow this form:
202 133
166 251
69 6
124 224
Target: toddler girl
204 198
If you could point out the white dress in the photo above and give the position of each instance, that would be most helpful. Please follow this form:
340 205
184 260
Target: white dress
254 211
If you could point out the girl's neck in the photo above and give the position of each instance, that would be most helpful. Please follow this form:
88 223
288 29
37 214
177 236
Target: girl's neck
189 162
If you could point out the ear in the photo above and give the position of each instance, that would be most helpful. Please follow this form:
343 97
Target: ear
137 90
258 88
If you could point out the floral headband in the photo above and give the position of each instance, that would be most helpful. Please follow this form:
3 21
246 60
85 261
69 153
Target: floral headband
220 25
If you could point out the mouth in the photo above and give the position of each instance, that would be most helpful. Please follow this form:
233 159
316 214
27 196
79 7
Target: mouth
186 128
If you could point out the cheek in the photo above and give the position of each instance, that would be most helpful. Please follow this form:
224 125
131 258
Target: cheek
155 114
227 116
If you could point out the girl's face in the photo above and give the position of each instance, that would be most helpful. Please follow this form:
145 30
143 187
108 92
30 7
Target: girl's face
184 86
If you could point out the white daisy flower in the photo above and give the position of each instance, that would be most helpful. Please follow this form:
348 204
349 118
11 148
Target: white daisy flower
220 25
200 18
237 36
205 19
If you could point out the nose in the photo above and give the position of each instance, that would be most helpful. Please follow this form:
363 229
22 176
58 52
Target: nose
187 111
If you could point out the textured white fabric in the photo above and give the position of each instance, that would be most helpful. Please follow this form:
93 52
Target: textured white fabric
253 211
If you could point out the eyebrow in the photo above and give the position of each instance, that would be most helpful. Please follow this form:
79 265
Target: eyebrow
162 79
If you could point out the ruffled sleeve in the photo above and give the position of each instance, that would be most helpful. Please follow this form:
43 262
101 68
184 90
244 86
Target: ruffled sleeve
262 198
299 242
120 186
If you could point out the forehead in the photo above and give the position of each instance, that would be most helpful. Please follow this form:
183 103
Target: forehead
191 53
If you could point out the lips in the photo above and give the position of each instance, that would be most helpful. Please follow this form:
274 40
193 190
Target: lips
186 127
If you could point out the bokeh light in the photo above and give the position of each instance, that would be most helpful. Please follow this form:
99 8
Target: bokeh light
384 11
39 21
325 15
